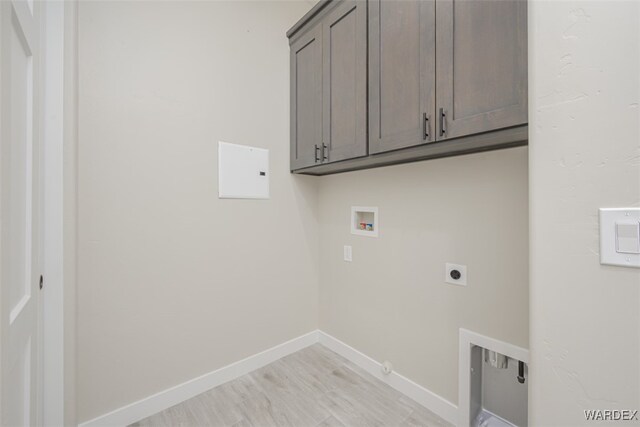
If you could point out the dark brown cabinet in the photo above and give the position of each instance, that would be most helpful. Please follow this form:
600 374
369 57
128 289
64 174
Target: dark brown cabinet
443 78
481 66
329 87
306 99
401 74
344 32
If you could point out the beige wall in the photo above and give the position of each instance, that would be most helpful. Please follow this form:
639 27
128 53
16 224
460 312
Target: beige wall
173 282
584 154
391 302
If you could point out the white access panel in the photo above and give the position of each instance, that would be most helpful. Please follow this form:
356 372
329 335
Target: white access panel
243 172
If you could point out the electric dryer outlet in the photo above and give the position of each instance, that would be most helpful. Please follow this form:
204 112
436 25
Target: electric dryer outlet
456 274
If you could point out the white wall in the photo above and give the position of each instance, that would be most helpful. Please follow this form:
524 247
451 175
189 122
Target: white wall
172 281
391 302
584 154
161 82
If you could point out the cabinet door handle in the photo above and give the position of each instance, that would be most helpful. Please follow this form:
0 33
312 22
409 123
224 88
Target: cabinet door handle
443 122
426 126
317 149
325 152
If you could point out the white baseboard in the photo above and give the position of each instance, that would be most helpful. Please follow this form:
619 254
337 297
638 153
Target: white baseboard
174 395
165 399
426 398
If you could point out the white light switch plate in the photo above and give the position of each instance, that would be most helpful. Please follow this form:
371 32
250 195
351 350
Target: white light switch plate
348 254
617 242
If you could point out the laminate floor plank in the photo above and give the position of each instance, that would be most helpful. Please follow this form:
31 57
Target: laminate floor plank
299 404
313 387
331 422
421 416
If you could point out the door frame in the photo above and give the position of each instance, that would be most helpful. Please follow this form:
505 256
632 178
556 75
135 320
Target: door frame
59 140
53 292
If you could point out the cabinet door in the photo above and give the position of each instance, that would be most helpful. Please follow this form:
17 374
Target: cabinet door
306 99
401 73
481 66
345 81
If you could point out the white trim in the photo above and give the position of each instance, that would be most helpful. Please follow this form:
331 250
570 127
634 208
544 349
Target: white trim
70 206
174 395
421 395
165 399
467 340
53 296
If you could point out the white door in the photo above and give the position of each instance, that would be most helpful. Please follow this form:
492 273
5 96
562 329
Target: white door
20 213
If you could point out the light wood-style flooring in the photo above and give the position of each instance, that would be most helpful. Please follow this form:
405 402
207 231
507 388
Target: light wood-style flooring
313 387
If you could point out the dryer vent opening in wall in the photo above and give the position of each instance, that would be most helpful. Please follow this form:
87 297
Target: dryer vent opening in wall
364 221
493 382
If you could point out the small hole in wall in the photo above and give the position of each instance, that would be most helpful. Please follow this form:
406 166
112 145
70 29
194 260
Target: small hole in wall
364 221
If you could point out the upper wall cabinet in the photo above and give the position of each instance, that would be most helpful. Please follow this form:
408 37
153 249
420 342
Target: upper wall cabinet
444 77
306 99
329 87
344 31
481 66
402 99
